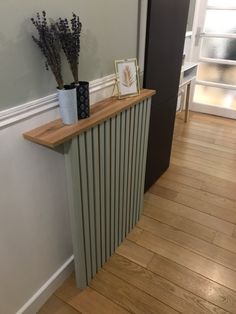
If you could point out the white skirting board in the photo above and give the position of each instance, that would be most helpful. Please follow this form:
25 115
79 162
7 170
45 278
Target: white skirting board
13 122
44 293
214 110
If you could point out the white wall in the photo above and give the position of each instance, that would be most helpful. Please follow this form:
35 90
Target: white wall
34 226
35 238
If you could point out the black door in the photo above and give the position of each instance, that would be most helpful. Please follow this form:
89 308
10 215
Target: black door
166 27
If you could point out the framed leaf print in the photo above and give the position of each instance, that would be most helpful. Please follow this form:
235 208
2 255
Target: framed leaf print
127 77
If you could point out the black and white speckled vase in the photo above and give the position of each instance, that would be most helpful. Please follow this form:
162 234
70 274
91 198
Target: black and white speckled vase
83 108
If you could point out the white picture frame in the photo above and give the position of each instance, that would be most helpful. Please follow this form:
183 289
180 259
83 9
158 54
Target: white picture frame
127 76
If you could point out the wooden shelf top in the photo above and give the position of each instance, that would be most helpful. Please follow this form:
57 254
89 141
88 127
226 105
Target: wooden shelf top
56 133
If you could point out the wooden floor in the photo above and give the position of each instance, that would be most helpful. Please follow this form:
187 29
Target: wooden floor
181 257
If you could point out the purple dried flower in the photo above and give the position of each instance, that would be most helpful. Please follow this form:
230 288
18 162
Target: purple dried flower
49 44
69 35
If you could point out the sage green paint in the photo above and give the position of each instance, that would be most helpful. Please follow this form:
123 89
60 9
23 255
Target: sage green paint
109 33
101 213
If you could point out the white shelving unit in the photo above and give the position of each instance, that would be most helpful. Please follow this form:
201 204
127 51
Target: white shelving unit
187 78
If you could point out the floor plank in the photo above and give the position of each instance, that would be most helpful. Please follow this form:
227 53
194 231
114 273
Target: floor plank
181 223
87 301
158 287
191 281
68 291
56 306
90 302
222 240
187 241
211 184
128 296
127 249
195 199
191 260
188 212
227 169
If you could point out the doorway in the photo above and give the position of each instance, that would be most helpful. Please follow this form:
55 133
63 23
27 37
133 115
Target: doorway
214 48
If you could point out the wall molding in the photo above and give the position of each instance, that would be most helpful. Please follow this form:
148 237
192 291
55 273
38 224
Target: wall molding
24 111
44 293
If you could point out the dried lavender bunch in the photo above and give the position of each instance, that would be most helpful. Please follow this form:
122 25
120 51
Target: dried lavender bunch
69 35
49 45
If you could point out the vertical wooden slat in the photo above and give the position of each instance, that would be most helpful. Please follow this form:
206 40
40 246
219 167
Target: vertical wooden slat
126 170
130 155
112 193
117 173
121 174
91 194
123 179
97 196
85 204
128 150
75 207
138 168
136 162
107 186
142 153
133 165
145 145
102 189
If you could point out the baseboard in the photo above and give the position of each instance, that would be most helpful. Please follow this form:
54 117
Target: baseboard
99 89
44 293
214 110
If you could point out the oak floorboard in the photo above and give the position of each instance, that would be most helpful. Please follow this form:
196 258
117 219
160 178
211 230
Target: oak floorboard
213 130
225 168
203 168
190 213
204 144
128 296
87 301
173 182
204 154
181 223
210 184
90 302
189 242
191 281
158 287
196 199
55 306
222 240
189 259
135 252
194 132
203 151
68 290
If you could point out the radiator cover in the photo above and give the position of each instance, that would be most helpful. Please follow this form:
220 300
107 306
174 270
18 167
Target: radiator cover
105 179
105 157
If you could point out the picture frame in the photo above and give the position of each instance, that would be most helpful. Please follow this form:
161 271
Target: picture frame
127 76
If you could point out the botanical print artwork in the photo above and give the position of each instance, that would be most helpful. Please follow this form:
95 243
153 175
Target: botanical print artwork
127 72
129 78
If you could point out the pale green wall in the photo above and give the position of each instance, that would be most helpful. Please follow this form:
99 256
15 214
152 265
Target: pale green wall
109 32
